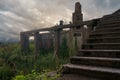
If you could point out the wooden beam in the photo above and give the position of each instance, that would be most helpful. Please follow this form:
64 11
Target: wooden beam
31 32
39 30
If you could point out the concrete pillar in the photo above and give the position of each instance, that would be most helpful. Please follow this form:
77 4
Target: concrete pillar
89 30
84 35
57 43
86 31
77 15
57 34
77 18
91 27
24 40
37 43
61 22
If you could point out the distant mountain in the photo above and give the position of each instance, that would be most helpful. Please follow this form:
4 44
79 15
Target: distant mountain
12 40
8 40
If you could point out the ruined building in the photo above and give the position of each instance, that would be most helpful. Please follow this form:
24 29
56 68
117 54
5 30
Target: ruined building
99 56
98 46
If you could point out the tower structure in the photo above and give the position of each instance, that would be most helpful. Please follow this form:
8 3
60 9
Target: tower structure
77 15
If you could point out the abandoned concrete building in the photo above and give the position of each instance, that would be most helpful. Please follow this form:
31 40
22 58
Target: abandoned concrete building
98 45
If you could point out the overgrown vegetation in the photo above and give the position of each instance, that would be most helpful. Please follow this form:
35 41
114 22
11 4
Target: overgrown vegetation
15 63
36 76
6 73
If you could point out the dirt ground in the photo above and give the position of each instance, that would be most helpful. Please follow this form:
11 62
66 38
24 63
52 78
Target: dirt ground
75 77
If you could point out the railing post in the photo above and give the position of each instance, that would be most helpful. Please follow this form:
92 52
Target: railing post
89 28
83 34
37 43
57 43
57 40
24 40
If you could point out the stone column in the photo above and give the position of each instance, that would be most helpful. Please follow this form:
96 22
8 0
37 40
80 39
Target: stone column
91 26
77 18
57 40
83 34
77 15
37 43
57 43
24 40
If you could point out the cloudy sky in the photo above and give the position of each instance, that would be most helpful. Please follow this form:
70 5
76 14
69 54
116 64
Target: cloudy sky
22 15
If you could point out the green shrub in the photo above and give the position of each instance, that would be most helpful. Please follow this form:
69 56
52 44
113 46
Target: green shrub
20 77
36 76
6 73
64 53
26 62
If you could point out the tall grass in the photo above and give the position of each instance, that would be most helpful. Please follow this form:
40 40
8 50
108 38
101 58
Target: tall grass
25 62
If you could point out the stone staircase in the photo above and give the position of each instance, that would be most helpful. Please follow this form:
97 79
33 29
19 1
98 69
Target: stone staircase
99 58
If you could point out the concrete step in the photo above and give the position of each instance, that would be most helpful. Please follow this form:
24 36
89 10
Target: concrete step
115 18
96 61
114 29
105 34
111 16
109 22
99 53
101 72
104 40
107 26
108 46
76 77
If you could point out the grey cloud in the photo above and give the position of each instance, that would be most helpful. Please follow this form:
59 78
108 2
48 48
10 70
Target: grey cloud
32 14
115 4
